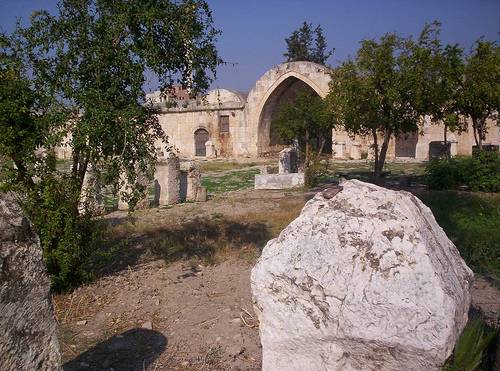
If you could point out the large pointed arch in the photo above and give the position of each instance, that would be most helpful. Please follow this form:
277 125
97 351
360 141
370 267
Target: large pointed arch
274 85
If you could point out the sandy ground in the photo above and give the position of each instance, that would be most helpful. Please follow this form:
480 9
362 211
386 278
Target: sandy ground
149 314
159 317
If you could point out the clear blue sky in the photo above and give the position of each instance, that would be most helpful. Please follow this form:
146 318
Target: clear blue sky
254 30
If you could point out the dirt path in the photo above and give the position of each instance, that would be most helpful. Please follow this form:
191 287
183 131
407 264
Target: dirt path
149 312
174 317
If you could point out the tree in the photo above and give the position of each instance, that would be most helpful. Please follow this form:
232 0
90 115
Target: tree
438 72
88 65
306 119
375 94
304 44
479 97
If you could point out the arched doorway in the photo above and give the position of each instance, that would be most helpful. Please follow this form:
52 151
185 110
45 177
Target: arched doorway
269 141
201 136
406 144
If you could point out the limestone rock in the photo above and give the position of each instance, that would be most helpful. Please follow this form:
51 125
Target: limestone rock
27 324
287 161
365 280
201 194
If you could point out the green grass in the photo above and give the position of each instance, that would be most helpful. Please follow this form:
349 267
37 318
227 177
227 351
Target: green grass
233 181
472 222
213 166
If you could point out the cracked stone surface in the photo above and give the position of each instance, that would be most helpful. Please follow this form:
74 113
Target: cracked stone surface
366 280
27 324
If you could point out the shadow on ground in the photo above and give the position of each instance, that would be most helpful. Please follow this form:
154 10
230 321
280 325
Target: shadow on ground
201 238
132 350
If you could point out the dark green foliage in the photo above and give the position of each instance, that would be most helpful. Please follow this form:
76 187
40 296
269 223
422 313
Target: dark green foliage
68 240
479 97
472 222
437 90
77 77
480 172
471 349
304 44
306 119
376 95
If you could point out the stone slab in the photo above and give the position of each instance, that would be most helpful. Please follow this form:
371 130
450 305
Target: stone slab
279 181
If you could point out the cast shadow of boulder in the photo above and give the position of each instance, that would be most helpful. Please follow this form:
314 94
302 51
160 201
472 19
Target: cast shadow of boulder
134 349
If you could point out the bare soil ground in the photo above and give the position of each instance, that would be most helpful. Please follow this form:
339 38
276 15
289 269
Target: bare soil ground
173 291
175 294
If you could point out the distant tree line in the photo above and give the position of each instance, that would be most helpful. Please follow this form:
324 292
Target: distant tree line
394 82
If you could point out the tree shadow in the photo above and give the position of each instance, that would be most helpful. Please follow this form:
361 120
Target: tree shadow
204 238
132 350
199 238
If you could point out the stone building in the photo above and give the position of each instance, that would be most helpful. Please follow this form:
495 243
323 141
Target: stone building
239 125
231 124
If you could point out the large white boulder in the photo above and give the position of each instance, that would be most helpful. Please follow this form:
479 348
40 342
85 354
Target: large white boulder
366 280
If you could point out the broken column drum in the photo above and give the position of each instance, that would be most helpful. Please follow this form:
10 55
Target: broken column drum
287 161
364 280
167 177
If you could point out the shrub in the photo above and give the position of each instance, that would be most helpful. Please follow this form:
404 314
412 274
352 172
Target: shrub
68 239
472 348
472 222
480 172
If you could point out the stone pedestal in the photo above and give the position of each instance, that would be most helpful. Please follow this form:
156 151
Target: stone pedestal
211 152
167 177
287 161
355 151
453 148
190 182
339 150
279 181
91 198
201 194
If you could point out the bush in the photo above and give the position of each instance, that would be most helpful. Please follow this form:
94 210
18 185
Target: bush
473 348
68 239
480 172
472 222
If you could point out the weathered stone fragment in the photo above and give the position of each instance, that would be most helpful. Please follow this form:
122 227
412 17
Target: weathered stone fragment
287 161
27 326
365 280
201 194
193 181
167 177
211 152
279 181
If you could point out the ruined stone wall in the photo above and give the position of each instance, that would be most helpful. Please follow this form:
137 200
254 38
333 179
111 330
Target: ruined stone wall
250 118
181 123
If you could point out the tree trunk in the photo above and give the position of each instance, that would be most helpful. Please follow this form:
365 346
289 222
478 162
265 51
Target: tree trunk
321 146
307 159
375 150
445 138
379 165
477 133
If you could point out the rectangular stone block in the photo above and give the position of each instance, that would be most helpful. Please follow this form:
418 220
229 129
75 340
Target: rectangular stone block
279 181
